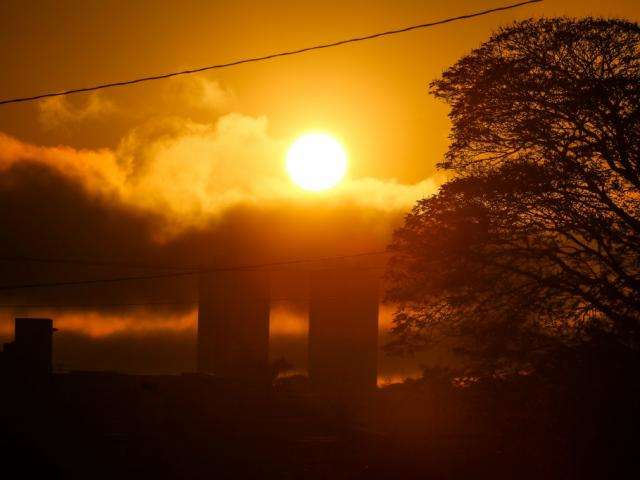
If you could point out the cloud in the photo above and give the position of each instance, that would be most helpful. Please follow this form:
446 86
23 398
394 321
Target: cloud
187 96
387 195
133 322
199 93
212 167
192 171
97 171
234 161
194 161
167 351
57 112
287 322
174 191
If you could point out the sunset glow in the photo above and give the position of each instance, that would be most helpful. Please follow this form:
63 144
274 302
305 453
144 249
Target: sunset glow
316 162
347 240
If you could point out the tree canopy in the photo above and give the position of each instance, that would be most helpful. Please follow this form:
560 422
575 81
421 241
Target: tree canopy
535 242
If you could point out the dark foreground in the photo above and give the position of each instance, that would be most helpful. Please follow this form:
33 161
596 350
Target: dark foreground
100 425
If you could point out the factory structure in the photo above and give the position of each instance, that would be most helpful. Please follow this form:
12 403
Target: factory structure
233 324
29 356
233 331
233 327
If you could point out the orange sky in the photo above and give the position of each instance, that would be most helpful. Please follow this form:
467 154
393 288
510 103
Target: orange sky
192 148
373 96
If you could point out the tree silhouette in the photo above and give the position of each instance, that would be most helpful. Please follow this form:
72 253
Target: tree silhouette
535 243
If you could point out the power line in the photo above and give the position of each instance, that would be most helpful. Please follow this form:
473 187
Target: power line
270 56
96 305
249 267
96 263
242 300
112 263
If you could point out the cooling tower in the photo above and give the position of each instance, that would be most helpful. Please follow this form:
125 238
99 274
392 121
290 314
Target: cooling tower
33 346
343 331
233 325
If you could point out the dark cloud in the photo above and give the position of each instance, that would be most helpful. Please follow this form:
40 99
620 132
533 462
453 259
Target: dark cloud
166 352
46 214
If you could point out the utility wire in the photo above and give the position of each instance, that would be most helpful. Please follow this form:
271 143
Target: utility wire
248 267
96 263
96 305
270 56
109 263
242 300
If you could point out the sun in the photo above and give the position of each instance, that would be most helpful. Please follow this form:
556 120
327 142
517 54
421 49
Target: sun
316 161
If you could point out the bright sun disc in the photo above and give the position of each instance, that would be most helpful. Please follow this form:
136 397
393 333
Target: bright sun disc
316 162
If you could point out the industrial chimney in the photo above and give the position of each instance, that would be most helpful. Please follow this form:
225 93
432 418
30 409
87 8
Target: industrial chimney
343 331
30 354
233 325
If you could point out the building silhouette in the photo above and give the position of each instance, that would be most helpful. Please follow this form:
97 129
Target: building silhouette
233 328
233 325
30 354
343 331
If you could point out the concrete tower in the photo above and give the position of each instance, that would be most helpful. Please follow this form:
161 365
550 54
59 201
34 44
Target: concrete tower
343 331
233 325
32 348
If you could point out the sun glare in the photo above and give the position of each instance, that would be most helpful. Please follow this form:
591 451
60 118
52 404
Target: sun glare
316 161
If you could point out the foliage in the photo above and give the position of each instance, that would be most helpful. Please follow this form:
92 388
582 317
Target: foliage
535 243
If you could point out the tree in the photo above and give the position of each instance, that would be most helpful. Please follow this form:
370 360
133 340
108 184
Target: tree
535 243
